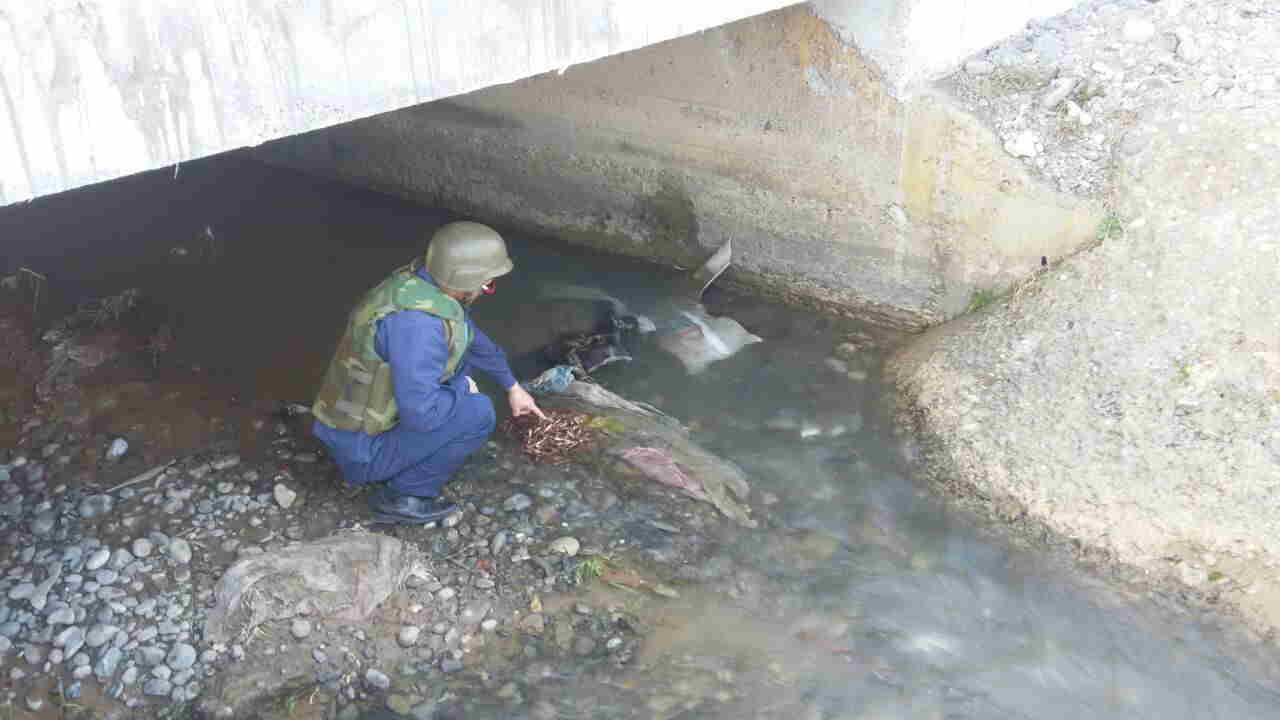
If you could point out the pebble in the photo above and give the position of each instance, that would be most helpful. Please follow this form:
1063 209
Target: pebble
319 655
446 594
1022 145
517 502
499 542
451 520
118 448
377 679
141 547
22 591
450 665
107 662
181 657
44 522
97 559
157 687
226 463
475 611
284 495
409 635
566 545
95 505
98 635
152 655
489 625
300 628
583 645
62 616
484 583
1138 30
180 551
35 703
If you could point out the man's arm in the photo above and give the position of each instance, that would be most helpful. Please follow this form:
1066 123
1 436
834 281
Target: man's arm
414 344
486 356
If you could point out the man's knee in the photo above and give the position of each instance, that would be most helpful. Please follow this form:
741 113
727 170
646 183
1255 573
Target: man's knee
481 422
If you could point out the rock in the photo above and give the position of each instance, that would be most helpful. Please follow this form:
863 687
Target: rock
130 675
377 679
583 645
319 655
107 663
300 628
44 522
157 687
141 547
22 591
446 594
117 449
181 657
225 463
151 655
97 558
1062 87
450 665
1138 30
106 576
484 583
285 496
979 67
499 542
1022 145
35 703
96 505
475 611
517 502
533 623
33 655
1192 575
180 551
120 559
408 635
566 545
451 520
99 635
62 616
489 625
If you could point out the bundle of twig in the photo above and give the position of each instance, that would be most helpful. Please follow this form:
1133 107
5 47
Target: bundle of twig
551 440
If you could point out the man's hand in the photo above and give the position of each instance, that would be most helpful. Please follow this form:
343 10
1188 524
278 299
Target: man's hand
522 402
471 385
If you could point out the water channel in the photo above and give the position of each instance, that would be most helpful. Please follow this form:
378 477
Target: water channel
860 596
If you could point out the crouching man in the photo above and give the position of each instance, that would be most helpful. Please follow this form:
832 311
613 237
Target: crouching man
398 406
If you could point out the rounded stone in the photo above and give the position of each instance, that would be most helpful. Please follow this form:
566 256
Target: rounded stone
377 679
97 559
95 506
44 522
409 635
141 547
300 628
181 657
99 635
566 545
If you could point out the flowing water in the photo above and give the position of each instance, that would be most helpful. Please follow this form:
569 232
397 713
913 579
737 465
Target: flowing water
859 596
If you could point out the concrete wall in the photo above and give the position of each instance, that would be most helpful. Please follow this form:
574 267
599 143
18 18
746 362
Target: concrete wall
772 132
95 89
914 41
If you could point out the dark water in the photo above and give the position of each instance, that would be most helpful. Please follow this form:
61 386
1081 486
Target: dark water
861 598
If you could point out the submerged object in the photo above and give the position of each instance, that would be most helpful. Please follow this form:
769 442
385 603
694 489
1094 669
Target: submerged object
685 328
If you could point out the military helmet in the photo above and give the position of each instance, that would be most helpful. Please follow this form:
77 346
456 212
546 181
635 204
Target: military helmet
463 256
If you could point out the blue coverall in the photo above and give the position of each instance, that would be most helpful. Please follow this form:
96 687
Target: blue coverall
441 423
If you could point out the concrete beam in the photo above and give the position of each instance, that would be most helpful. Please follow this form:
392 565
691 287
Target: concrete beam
93 90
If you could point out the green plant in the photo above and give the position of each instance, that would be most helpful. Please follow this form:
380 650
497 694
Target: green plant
1110 227
591 567
981 298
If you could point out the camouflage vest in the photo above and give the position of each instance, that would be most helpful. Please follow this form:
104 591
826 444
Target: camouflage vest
357 393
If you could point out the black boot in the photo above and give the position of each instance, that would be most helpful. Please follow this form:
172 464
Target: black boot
389 506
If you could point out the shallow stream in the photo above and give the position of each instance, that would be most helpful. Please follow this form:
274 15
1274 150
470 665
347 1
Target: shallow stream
858 597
